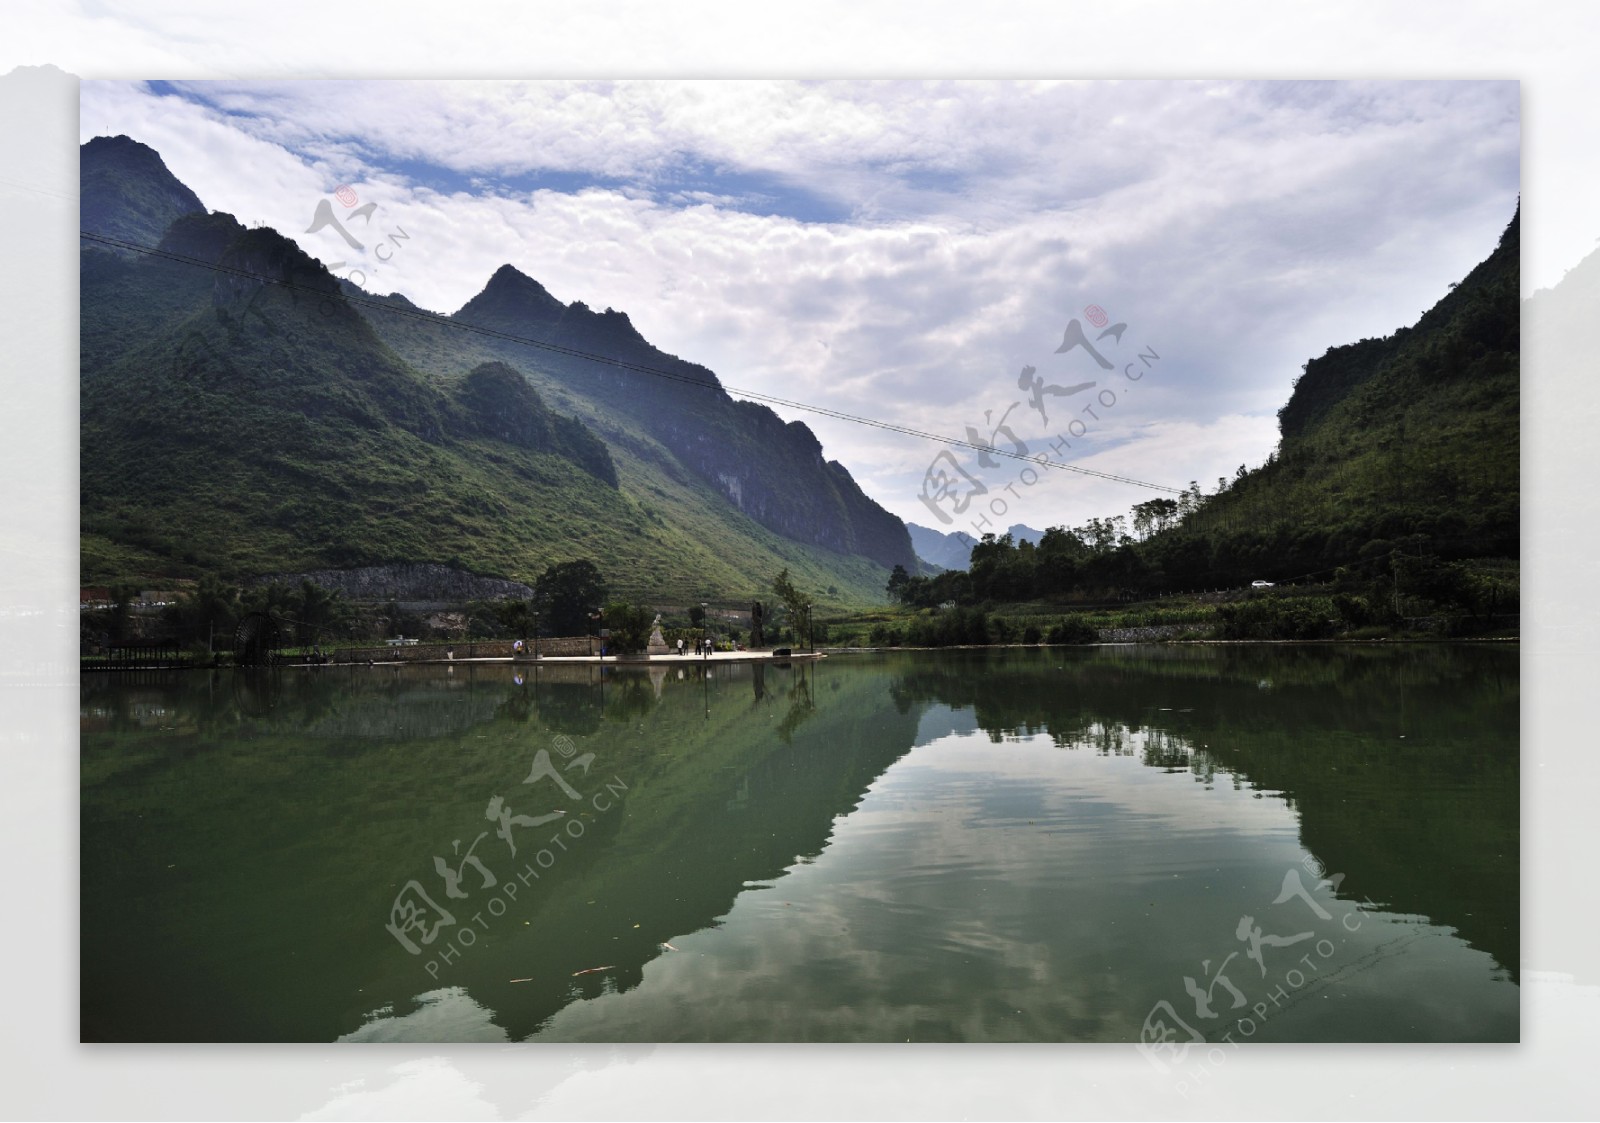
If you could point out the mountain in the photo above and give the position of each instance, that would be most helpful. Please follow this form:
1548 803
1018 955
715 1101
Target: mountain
126 191
1396 481
243 412
953 551
1408 442
772 471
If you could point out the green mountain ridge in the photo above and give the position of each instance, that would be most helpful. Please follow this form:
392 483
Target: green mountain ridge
1413 435
772 470
1396 479
260 416
126 191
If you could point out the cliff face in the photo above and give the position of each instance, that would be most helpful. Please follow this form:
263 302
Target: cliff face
202 237
288 272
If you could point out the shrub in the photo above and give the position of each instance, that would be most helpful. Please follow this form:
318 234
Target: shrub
882 635
629 625
1072 629
1276 618
951 627
1355 611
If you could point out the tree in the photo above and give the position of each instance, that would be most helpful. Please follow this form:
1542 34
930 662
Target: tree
794 601
1153 516
1100 535
122 597
404 622
1190 500
571 592
319 611
897 583
212 610
513 617
1059 553
629 625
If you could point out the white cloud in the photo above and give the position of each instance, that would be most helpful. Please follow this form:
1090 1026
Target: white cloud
899 250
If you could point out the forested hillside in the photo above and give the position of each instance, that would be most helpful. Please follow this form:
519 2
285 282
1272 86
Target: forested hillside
1397 472
245 413
672 412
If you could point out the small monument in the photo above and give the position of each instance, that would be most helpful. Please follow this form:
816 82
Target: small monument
658 643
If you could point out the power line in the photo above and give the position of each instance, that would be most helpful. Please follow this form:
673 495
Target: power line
1039 461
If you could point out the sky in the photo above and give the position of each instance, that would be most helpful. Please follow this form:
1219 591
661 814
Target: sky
1549 47
902 251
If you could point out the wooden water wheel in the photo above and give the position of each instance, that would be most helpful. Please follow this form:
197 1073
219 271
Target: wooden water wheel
256 641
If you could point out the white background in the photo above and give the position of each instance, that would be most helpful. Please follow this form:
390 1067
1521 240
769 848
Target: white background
1550 47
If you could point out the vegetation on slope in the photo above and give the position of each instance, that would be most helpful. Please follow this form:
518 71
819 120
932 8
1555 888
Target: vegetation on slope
1395 484
235 428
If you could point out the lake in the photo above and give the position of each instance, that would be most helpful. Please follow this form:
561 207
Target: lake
1166 845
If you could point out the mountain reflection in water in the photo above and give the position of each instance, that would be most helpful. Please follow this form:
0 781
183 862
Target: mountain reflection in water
1006 845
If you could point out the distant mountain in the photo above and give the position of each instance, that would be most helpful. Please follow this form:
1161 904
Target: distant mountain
263 417
954 550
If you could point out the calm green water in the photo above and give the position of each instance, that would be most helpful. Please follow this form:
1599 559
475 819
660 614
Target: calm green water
1005 846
